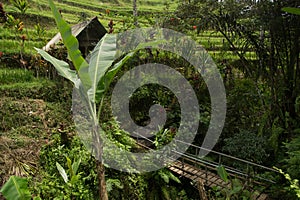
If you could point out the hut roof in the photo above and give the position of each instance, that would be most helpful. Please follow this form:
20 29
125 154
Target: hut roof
88 31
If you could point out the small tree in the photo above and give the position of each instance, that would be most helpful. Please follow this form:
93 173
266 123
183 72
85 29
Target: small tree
89 79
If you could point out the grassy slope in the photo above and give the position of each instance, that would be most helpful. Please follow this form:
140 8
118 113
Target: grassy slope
31 109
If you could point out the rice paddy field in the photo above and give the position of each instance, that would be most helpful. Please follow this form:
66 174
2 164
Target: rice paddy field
73 12
39 13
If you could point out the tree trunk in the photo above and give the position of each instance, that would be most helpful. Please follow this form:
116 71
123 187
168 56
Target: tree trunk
135 14
201 190
101 179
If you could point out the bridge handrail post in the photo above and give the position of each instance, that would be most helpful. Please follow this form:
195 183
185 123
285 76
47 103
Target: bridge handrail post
206 175
182 164
197 151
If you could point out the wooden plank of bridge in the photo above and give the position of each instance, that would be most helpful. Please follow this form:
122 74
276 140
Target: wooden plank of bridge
262 197
188 171
206 177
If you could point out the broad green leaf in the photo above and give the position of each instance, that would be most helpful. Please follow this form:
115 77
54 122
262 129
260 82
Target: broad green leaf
61 66
75 166
102 58
164 176
16 188
72 46
69 40
291 10
173 177
69 163
74 179
62 172
107 79
222 173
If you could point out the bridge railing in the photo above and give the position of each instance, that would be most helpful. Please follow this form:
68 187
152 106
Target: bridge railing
246 169
233 165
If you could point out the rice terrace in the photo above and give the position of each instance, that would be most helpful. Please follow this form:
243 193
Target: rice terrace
150 99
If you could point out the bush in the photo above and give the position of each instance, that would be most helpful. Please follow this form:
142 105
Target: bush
246 145
52 184
293 159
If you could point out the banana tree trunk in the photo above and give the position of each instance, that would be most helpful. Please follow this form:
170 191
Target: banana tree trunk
102 183
98 148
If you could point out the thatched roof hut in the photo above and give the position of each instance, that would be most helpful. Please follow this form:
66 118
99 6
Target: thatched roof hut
88 33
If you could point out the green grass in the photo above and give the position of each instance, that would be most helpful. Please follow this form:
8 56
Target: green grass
5 34
44 89
14 46
10 76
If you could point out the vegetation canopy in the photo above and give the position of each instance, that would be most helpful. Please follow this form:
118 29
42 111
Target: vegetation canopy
254 44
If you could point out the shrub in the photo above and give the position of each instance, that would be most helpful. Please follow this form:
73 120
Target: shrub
246 145
52 184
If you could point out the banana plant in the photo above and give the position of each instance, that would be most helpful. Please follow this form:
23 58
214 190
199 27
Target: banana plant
90 79
16 188
73 167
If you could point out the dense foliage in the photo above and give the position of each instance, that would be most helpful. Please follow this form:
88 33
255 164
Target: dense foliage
256 45
263 118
